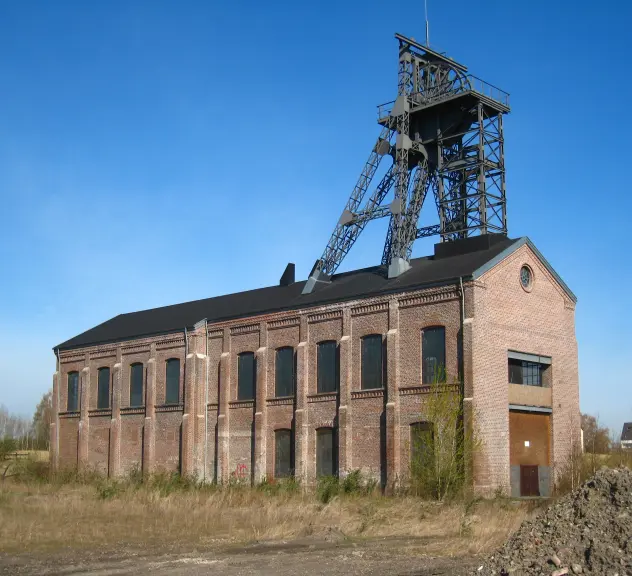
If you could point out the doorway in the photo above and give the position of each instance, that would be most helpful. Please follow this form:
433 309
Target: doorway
529 483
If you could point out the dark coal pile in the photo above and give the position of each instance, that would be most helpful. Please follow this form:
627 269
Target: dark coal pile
586 532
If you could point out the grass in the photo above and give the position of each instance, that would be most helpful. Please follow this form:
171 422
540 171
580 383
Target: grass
167 512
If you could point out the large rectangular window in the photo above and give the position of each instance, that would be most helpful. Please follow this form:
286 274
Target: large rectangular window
524 372
283 454
284 372
433 355
326 452
72 404
327 367
422 451
136 385
172 384
103 389
372 376
246 376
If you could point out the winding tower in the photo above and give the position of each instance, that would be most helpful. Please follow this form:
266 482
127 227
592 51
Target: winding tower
444 134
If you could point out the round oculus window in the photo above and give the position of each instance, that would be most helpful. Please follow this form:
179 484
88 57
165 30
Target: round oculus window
526 277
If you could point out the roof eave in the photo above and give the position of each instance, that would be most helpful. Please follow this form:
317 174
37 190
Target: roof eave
510 250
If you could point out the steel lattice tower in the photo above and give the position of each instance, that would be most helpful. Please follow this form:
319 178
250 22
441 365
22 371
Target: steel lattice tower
444 133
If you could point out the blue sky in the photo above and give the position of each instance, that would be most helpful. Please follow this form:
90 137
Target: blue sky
156 152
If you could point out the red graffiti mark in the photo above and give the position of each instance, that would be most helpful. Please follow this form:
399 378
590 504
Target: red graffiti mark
241 471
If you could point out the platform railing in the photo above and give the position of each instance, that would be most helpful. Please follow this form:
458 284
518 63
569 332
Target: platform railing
468 83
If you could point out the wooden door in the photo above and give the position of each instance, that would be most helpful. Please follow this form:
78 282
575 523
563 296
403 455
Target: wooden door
529 483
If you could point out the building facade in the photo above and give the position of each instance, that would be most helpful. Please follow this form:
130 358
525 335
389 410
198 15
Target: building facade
270 383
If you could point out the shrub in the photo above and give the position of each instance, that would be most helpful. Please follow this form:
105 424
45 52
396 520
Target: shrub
328 487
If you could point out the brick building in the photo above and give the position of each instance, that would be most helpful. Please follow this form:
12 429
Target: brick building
271 382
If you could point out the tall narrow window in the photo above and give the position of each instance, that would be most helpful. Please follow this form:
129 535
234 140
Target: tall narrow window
422 453
72 404
284 372
283 454
172 385
327 367
326 452
246 376
136 385
103 389
433 355
372 361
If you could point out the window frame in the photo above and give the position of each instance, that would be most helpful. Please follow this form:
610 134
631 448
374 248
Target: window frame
77 403
431 377
364 375
241 393
526 371
321 376
281 350
286 472
101 395
132 368
320 432
168 362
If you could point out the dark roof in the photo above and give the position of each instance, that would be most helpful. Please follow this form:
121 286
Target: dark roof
446 266
627 431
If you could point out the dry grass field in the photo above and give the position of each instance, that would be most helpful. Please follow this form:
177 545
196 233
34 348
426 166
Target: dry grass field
44 516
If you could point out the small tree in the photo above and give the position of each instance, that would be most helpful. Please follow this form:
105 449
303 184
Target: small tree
41 421
442 446
596 438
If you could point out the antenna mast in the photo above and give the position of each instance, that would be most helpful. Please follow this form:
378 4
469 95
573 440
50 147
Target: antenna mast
427 25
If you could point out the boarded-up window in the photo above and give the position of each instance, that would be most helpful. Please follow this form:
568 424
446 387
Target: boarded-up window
372 361
246 376
422 453
326 452
172 385
327 367
103 388
283 454
73 392
136 385
284 372
433 355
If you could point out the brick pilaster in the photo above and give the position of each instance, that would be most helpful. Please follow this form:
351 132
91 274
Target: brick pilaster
149 429
188 417
300 414
114 456
393 433
261 420
223 472
344 409
84 431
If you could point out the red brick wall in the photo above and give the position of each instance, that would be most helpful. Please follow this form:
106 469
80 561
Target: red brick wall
541 321
500 316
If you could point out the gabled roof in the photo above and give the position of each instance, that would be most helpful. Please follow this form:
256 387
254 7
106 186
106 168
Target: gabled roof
461 259
626 433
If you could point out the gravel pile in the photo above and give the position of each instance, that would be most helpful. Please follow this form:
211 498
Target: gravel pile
586 532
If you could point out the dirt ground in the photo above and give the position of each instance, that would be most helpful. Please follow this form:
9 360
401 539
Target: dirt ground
307 557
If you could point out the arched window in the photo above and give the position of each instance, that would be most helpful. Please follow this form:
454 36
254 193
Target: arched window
283 454
72 401
433 355
103 389
372 375
172 381
246 376
422 452
136 385
326 452
284 373
327 367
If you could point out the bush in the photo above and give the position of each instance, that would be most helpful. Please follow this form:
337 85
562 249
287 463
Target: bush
328 487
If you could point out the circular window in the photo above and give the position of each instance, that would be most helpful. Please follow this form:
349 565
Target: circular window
526 277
